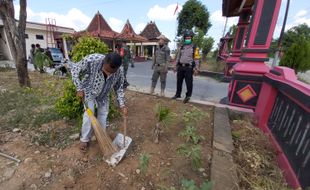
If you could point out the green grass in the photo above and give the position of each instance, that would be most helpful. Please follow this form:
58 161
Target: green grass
144 162
26 108
212 65
30 108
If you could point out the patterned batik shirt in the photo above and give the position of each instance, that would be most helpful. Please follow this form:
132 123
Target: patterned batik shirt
87 76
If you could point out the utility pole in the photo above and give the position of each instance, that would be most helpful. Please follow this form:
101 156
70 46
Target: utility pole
279 45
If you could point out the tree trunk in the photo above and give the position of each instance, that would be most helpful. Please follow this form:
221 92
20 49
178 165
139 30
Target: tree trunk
16 37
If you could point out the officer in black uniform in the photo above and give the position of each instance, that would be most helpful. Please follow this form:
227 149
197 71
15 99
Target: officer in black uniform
187 64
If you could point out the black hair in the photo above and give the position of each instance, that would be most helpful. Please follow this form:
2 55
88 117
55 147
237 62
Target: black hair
113 59
33 46
38 45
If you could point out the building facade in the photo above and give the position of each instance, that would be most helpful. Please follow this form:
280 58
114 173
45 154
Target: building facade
37 33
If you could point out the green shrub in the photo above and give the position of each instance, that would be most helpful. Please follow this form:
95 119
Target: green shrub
113 108
88 45
69 105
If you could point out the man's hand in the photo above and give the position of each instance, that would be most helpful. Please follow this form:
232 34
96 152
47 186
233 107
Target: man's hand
196 71
174 67
124 111
166 68
80 94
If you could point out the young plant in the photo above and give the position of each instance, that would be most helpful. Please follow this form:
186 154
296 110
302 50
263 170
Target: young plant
190 185
193 116
144 162
190 134
162 187
193 153
164 117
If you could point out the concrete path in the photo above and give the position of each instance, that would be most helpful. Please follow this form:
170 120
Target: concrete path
139 77
223 170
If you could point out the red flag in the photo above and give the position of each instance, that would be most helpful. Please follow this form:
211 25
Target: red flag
176 8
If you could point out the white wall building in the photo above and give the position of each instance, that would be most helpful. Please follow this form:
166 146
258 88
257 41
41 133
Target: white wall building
36 33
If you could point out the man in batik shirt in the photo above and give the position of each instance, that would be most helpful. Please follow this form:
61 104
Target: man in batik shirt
94 76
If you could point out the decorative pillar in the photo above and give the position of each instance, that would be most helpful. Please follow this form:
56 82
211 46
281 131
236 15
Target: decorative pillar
153 50
142 49
239 39
113 44
139 51
245 87
65 47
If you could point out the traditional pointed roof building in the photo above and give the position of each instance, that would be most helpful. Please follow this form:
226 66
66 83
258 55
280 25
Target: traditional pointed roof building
151 32
142 45
98 27
129 35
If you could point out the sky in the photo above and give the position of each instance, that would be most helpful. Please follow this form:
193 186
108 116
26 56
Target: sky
77 14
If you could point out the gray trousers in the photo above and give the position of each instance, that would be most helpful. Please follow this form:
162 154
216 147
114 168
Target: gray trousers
125 65
160 71
102 115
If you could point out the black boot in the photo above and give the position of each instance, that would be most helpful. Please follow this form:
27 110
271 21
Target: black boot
186 99
176 97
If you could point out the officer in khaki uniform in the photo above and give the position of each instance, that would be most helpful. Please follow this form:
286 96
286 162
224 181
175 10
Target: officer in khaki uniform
187 64
160 66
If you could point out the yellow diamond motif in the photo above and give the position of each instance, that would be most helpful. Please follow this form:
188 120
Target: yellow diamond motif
246 93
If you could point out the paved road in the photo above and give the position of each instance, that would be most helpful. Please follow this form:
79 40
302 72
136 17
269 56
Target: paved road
205 88
139 77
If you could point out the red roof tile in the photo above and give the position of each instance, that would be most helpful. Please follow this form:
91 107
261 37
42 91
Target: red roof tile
128 34
100 28
150 31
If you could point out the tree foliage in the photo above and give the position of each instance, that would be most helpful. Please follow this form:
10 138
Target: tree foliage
232 31
202 42
296 48
193 14
297 56
297 33
207 45
88 45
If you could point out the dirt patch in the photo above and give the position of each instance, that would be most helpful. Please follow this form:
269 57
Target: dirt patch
48 166
255 158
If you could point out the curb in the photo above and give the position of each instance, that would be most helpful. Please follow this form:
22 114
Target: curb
206 73
223 172
199 102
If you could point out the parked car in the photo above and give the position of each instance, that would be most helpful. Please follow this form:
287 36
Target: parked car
56 55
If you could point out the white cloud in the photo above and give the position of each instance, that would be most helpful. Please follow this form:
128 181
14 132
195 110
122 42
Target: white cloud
301 13
116 24
301 17
75 18
218 23
163 13
217 19
139 27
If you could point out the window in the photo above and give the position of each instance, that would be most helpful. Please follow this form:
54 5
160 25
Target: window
26 36
39 37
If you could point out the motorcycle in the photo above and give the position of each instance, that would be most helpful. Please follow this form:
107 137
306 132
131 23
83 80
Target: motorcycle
63 69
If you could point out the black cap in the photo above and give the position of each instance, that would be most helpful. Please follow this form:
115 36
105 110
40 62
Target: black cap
188 33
